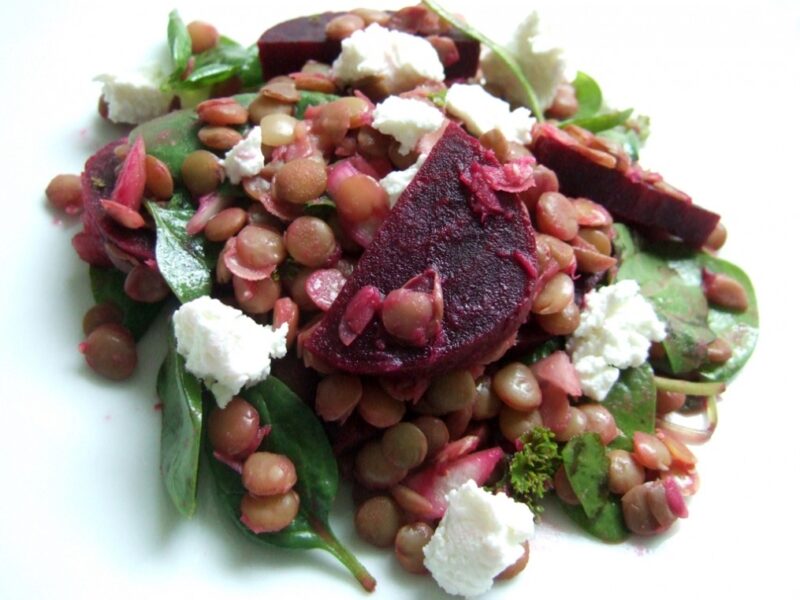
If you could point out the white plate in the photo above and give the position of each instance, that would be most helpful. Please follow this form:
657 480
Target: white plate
82 510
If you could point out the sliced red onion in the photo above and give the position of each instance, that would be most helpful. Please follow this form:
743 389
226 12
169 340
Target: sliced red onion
127 217
90 249
557 370
230 257
359 313
675 499
208 207
258 189
692 435
456 449
554 407
323 286
129 187
514 176
121 260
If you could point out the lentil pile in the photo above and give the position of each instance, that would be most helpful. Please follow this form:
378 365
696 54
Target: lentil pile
277 193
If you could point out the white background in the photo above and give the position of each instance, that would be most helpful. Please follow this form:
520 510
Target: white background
82 510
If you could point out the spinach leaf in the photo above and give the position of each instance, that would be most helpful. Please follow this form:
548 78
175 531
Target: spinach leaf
180 44
602 122
502 53
311 99
543 350
298 434
739 329
322 208
108 286
682 305
185 261
181 396
608 525
172 136
588 95
227 59
586 466
631 135
632 401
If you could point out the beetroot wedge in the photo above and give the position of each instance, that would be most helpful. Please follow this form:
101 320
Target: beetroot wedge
485 263
99 229
630 193
286 47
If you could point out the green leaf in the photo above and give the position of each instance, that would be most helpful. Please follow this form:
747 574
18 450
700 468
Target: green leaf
311 99
180 44
185 261
681 304
602 122
498 49
297 433
171 137
322 208
207 75
608 525
181 397
586 466
543 350
632 401
108 286
588 95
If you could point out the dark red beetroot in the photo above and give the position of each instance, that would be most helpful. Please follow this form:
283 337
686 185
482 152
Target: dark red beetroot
99 230
631 194
486 270
286 47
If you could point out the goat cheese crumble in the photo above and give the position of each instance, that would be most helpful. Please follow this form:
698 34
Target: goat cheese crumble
401 60
482 112
479 536
245 159
539 58
224 347
135 97
396 182
406 120
615 332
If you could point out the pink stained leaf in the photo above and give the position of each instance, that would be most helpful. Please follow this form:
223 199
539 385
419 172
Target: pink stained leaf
129 188
436 481
323 286
235 265
122 214
208 207
359 313
557 370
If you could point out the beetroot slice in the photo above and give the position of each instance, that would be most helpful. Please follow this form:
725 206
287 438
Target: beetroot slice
487 270
628 194
97 182
286 47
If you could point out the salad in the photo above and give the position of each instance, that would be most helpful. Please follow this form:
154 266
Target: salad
460 275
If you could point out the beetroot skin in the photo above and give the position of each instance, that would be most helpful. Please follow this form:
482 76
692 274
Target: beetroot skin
100 231
631 195
286 47
486 264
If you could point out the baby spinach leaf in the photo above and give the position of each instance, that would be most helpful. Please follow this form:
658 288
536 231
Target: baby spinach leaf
180 44
502 53
207 75
108 286
632 401
298 434
311 99
588 95
181 396
602 122
586 466
170 138
608 525
227 59
543 350
681 305
185 261
322 208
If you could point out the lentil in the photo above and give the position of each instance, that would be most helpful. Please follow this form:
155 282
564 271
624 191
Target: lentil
378 520
110 351
268 474
270 513
233 430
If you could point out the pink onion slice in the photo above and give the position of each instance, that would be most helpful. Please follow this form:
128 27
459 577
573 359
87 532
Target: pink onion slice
359 312
208 207
235 265
323 286
122 214
129 188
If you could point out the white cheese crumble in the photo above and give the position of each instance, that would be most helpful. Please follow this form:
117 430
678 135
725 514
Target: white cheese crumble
224 347
245 159
480 535
482 112
406 120
540 60
615 331
401 60
135 97
396 182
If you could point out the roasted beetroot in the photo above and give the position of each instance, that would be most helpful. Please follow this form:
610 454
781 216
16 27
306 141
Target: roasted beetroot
286 47
630 193
485 262
103 241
